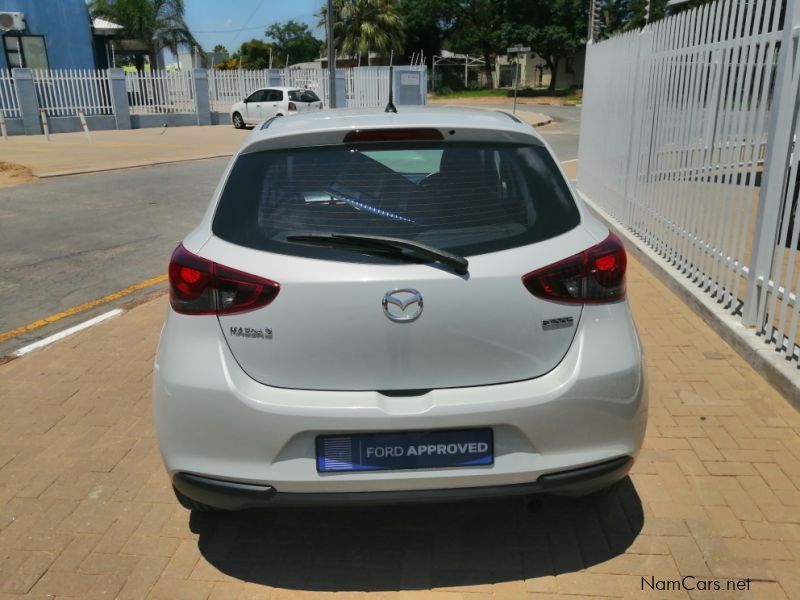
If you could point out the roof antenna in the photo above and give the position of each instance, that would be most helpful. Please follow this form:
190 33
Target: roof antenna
390 107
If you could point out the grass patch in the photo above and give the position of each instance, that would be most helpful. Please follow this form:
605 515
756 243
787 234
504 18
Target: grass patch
471 94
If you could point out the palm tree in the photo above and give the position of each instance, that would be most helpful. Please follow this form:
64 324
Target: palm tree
364 26
156 24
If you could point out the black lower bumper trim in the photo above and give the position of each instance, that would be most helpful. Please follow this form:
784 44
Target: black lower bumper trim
231 495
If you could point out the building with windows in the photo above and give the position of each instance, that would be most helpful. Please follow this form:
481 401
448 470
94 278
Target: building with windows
51 34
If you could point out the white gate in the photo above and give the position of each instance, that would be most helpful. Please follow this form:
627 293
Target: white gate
155 92
687 136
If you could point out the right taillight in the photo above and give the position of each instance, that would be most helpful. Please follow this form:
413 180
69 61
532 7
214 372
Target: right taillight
200 287
593 276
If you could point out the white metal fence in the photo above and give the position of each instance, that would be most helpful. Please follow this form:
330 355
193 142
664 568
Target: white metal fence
228 87
368 87
8 95
151 92
312 79
364 86
64 92
687 133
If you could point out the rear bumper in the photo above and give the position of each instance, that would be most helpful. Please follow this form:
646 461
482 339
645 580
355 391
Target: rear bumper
232 495
230 441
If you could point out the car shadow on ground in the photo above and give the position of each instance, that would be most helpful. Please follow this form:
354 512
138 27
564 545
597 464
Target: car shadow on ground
409 547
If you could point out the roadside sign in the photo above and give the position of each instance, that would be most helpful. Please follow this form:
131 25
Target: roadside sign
518 48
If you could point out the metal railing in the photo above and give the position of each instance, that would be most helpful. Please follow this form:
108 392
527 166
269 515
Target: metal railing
153 92
687 139
65 92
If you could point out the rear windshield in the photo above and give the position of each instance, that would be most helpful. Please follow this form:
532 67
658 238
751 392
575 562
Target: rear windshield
303 96
464 198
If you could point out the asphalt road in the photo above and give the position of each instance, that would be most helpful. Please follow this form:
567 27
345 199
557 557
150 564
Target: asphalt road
70 240
562 134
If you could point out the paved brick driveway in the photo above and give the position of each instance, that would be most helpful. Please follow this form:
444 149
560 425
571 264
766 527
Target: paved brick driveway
86 510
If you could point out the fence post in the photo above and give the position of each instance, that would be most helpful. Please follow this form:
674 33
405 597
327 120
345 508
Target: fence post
776 165
28 102
201 98
341 89
119 98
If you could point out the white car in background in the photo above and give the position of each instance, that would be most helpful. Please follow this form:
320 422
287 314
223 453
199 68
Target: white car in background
273 102
386 307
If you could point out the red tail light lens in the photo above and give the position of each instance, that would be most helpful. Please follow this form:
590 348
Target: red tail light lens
200 287
593 276
292 106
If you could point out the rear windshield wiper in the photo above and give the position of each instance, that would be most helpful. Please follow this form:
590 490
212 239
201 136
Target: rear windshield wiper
459 264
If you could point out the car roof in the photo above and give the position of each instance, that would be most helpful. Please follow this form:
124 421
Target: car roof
441 117
284 88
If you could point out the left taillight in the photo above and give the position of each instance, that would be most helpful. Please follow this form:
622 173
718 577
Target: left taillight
594 276
201 287
292 106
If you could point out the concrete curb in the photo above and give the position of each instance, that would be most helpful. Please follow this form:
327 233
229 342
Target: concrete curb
131 166
772 365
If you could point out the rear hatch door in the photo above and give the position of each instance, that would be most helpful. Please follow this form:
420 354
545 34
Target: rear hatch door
357 319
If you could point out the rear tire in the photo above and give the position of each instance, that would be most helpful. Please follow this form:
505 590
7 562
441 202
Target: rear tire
190 504
238 121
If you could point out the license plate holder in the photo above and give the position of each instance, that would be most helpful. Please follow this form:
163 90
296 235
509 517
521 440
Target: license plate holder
390 451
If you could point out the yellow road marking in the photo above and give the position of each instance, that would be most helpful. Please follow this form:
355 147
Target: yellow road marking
80 308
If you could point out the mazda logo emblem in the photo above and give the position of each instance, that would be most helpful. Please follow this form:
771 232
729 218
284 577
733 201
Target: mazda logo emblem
402 305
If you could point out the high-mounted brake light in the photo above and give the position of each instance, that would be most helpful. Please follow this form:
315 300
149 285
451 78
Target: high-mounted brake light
594 276
393 135
200 287
292 106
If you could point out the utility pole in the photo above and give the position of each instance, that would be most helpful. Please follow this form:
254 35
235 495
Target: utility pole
331 58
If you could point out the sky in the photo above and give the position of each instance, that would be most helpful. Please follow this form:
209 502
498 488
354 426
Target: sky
235 21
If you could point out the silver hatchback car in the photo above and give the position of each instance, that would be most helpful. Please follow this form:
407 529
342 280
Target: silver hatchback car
388 307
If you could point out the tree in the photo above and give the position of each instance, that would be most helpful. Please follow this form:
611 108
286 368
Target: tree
554 29
253 54
477 29
363 26
295 40
624 15
427 24
220 49
156 24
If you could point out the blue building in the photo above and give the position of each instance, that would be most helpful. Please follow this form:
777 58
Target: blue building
48 34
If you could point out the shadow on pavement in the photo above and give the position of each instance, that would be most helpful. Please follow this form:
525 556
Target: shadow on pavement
409 547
